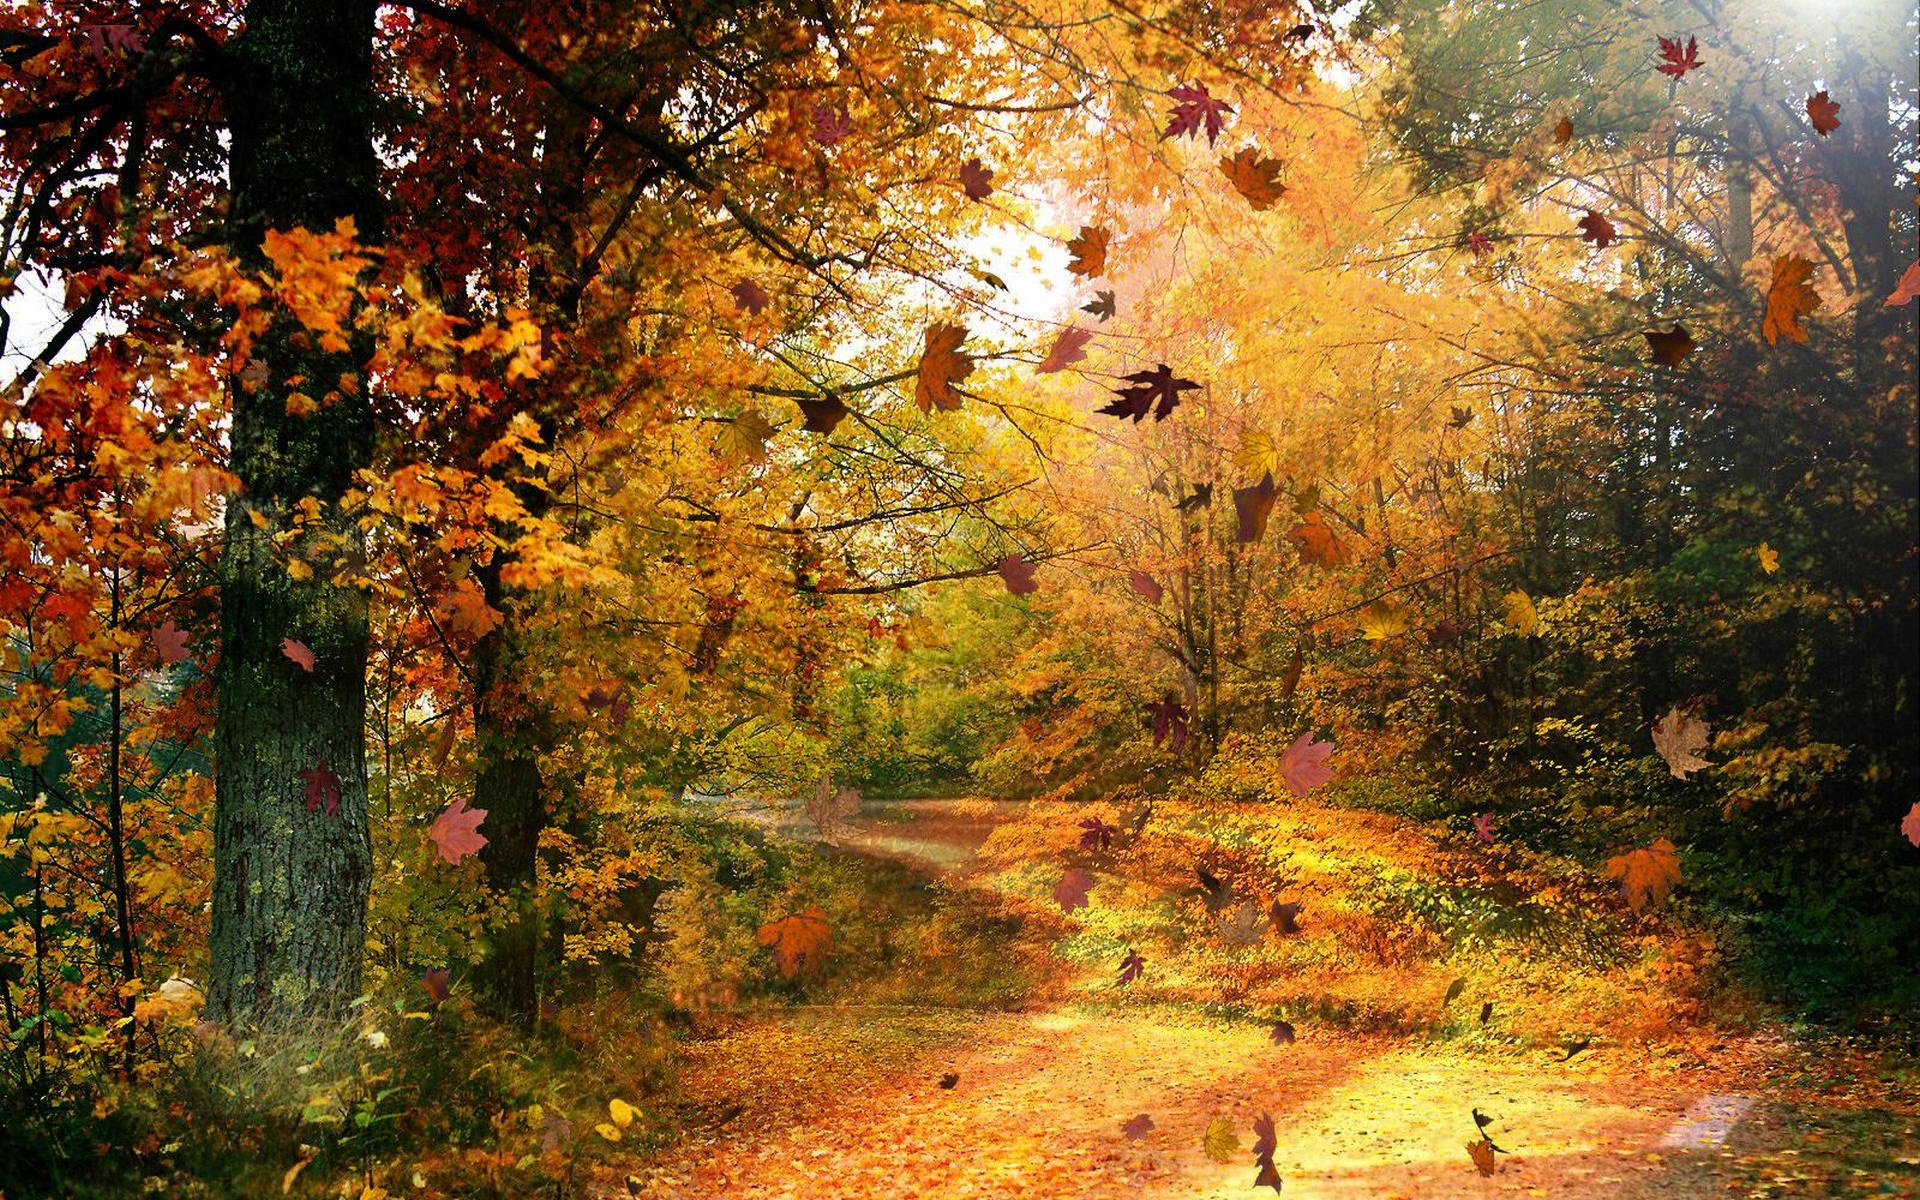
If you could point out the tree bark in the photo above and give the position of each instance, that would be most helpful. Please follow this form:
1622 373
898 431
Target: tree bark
290 883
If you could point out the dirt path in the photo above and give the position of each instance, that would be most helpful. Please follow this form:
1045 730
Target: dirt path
1041 1096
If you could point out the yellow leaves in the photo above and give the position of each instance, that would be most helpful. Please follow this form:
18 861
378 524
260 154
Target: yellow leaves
1769 558
1254 177
1383 619
1522 617
744 439
521 436
941 366
1258 454
177 997
299 404
1089 251
315 276
1789 297
1221 1143
621 1112
609 1132
1646 876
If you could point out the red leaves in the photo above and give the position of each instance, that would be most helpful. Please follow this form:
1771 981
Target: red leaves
1017 574
1483 827
1097 835
1676 60
1281 1034
1156 391
1316 542
1131 967
1070 347
1137 1127
323 787
1824 112
297 653
1071 892
170 643
975 179
455 831
1907 288
1670 348
1193 109
1910 826
1598 230
1146 586
1253 505
1265 1142
1304 765
1169 722
751 297
830 124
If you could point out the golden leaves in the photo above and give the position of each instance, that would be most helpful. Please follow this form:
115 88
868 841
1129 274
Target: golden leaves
1089 251
1789 297
744 439
1383 619
1258 454
1221 1143
1522 617
1768 556
941 366
315 276
1254 177
1646 876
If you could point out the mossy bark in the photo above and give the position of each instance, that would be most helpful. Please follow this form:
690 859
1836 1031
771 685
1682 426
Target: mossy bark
290 885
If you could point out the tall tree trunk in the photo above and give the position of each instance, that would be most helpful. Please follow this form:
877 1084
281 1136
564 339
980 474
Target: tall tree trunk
290 885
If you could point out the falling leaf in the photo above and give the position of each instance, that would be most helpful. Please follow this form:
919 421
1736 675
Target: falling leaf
1563 132
1254 177
1299 33
989 278
1486 1012
1071 892
830 124
454 830
1202 498
1480 244
1911 825
1454 989
1169 722
1824 112
1483 827
1215 893
438 984
1268 1175
1194 108
949 1081
822 415
1096 835
1304 765
1257 453
744 439
621 1112
1769 558
1253 505
1481 1152
1089 251
1445 630
298 653
1146 586
1221 1142
170 643
1669 349
1676 60
1789 297
1241 925
1132 966
1100 306
1907 288
1265 1139
1383 619
1679 737
1137 1127
1156 391
1282 1034
941 366
323 787
1285 918
1017 574
1597 229
1646 876
799 940
1482 1120
976 180
1522 617
1316 542
829 806
751 297
1462 416
1070 347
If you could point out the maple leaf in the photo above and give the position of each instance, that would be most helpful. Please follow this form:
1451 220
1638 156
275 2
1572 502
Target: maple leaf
1303 766
1257 452
1383 619
830 124
1169 722
1646 876
1480 244
1100 306
1069 347
1214 893
1445 630
1017 574
1268 1176
1317 543
1089 251
1202 498
1284 918
1670 348
323 787
298 653
975 179
1676 60
822 415
170 643
438 984
1481 1151
1911 825
1137 1127
1282 1034
1241 925
1254 177
1253 505
751 297
1563 132
1071 892
1156 391
1907 288
1522 617
1460 416
799 940
1483 827
1824 112
1132 966
744 439
1146 586
1769 558
1097 835
1221 1142
941 366
1789 297
1679 737
455 830
1193 109
1597 229
1265 1139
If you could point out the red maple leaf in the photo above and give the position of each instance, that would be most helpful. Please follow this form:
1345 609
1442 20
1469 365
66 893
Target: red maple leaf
1907 288
1098 835
1137 1127
1069 347
1824 111
1676 60
1194 108
456 830
170 643
1169 722
1156 391
975 179
298 653
1132 966
1264 1140
323 787
1146 585
1598 230
830 124
1483 827
1071 892
1281 1034
1017 573
751 297
1480 244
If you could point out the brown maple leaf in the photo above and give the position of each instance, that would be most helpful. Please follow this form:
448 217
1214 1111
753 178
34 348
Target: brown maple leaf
1481 1152
1156 391
1254 177
975 179
1089 251
1597 229
1824 111
1789 297
1679 737
1253 505
1563 132
1646 876
1017 573
800 941
170 644
1071 892
822 415
942 364
1669 348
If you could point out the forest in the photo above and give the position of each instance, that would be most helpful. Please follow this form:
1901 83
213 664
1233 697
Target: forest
959 598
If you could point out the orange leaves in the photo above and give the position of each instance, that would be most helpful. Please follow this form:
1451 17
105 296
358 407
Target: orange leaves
800 941
316 276
1824 111
1089 251
942 365
455 832
1597 230
1070 347
1910 826
297 653
1907 288
1789 297
1481 1151
1254 177
1647 876
1318 544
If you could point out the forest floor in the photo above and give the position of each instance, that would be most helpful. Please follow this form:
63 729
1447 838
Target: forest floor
817 1101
